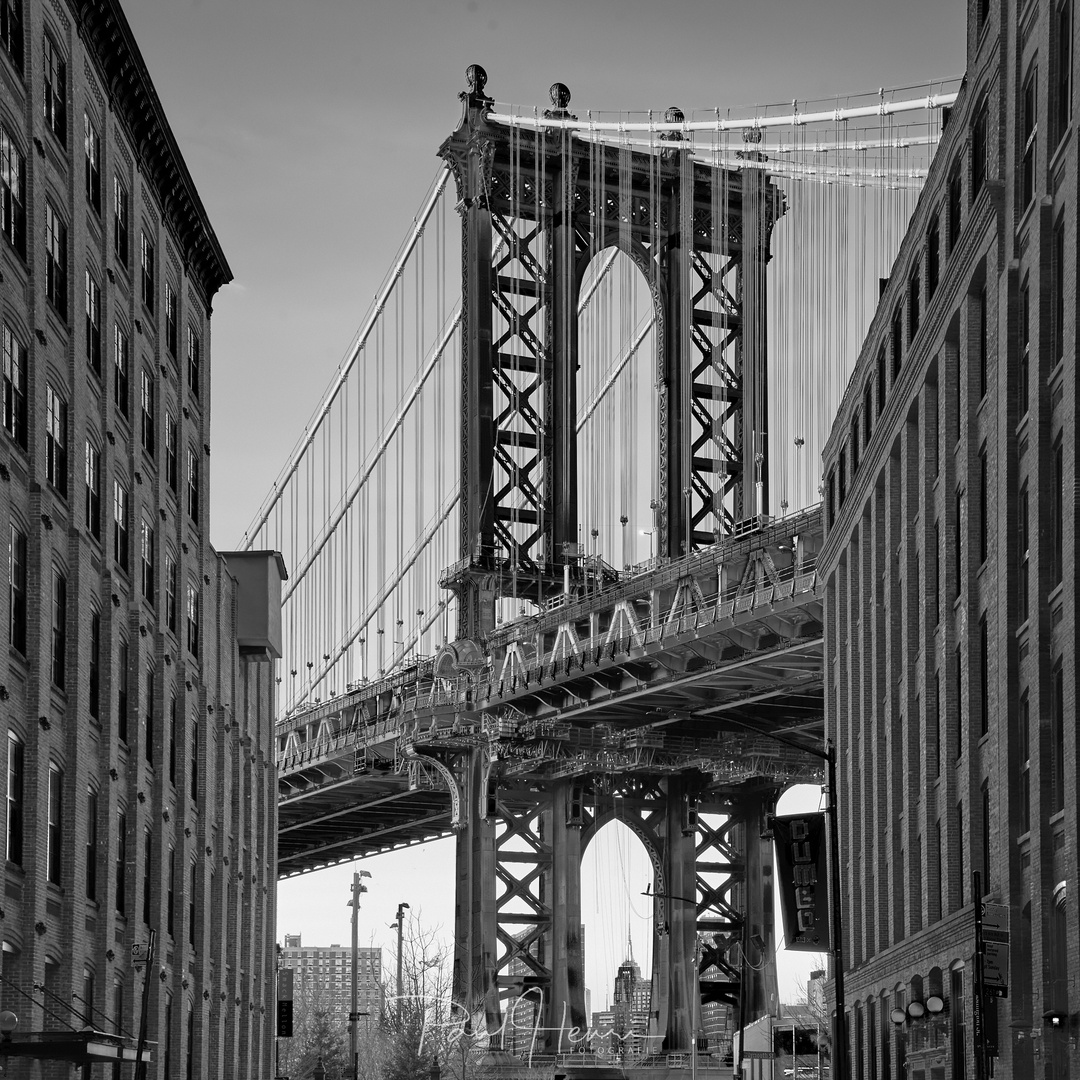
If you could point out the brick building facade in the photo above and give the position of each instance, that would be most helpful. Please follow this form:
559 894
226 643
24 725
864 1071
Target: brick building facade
136 723
951 591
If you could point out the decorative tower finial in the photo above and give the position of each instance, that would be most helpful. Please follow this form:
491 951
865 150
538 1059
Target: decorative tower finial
475 79
475 103
673 115
560 98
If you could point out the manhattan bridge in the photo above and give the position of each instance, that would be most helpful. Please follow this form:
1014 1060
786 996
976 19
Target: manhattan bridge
552 529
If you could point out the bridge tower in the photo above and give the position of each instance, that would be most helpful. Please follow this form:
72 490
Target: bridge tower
535 203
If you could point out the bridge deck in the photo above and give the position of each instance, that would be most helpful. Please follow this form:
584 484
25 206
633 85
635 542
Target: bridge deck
675 667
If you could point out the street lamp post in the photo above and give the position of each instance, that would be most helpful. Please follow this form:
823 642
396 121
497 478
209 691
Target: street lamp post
354 903
399 919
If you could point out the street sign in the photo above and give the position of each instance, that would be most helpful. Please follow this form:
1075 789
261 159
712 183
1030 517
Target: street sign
284 1019
355 1016
140 952
996 968
995 922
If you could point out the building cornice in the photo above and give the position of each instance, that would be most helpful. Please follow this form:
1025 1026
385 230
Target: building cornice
105 32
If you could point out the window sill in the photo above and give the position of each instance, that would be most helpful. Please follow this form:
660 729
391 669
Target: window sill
1060 150
1022 423
1055 593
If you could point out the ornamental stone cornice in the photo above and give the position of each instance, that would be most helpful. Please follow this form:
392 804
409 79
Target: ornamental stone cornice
104 31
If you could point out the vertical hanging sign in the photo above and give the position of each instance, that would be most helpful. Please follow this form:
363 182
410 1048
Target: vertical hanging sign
802 877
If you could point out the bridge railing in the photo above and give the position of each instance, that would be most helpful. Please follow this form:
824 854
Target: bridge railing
750 535
724 606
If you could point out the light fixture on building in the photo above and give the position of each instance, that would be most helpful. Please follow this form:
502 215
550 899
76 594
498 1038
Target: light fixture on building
935 1004
898 1016
916 1009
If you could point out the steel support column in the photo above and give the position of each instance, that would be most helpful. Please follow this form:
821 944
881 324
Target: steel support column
680 856
474 979
567 999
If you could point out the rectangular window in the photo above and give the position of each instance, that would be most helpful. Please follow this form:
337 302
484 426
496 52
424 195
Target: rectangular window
897 342
933 257
147 411
958 544
148 849
984 677
11 31
955 200
853 444
171 451
960 876
1023 369
194 361
1057 738
1023 543
122 692
1057 516
939 726
93 324
146 549
147 272
121 389
56 261
13 191
15 804
1024 723
94 704
881 380
170 318
985 884
194 785
54 838
54 70
192 485
172 742
170 900
56 440
1057 285
91 844
59 628
984 506
93 490
15 364
191 942
978 152
914 298
17 590
120 221
170 592
958 726
92 149
982 341
121 861
940 561
1061 106
121 524
192 619
1029 118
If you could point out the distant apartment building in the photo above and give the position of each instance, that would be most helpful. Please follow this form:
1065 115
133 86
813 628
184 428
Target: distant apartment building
323 976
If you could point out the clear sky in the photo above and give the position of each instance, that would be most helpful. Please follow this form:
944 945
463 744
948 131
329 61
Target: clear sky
311 128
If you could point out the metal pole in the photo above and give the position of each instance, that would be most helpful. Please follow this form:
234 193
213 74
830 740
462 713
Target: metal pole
400 921
355 964
140 1065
